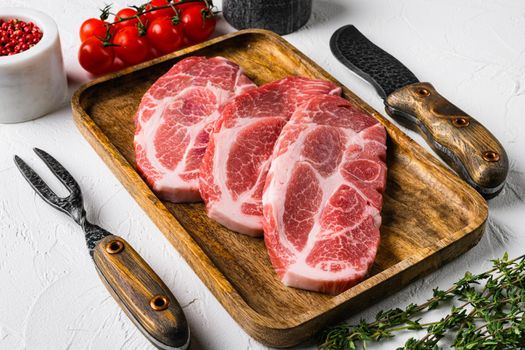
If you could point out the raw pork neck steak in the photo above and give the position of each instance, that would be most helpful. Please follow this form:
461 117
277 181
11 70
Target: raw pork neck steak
323 196
235 164
174 119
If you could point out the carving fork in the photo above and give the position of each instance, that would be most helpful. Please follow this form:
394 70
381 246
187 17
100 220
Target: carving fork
133 284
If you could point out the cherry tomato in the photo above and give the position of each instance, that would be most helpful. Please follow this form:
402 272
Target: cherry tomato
186 42
164 35
151 16
182 7
92 27
118 64
153 53
198 22
126 12
94 57
131 47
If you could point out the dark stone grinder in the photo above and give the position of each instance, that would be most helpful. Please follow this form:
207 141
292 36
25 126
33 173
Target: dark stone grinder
280 16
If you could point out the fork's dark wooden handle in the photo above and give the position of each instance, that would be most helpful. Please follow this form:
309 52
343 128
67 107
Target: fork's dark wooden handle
141 293
466 145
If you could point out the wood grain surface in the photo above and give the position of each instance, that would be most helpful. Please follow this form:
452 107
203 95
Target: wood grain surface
140 292
466 145
430 216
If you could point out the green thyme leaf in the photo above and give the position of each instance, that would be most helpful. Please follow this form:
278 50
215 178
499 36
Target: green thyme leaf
486 312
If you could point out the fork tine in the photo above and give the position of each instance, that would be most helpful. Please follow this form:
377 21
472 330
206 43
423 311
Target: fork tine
56 168
38 184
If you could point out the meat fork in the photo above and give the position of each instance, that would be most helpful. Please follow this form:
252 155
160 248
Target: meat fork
133 284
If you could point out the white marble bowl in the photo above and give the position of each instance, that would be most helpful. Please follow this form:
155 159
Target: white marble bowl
32 83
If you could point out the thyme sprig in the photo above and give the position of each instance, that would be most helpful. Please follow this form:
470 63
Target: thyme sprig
486 313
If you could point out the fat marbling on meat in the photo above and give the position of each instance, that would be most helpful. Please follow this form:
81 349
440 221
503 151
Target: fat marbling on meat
323 196
174 119
237 159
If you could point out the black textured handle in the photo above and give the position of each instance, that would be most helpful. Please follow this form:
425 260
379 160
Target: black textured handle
141 293
466 145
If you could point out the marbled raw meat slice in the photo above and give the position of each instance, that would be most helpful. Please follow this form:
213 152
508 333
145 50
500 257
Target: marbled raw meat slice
174 119
323 196
236 161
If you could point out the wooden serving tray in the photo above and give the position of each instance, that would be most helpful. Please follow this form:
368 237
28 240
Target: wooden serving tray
430 216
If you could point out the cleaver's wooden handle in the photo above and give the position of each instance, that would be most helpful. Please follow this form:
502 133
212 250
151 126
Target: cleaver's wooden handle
463 143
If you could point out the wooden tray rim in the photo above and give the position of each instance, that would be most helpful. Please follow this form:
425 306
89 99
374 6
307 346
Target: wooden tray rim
196 255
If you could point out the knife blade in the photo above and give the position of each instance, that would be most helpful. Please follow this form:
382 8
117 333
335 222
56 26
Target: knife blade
459 139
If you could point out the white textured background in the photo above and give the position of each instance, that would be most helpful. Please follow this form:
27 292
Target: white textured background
50 296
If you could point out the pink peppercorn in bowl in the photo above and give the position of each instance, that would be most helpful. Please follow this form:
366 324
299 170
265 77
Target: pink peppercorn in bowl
17 36
32 79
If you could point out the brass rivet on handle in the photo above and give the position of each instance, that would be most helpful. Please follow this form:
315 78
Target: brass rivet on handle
491 156
159 302
460 122
114 247
422 92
